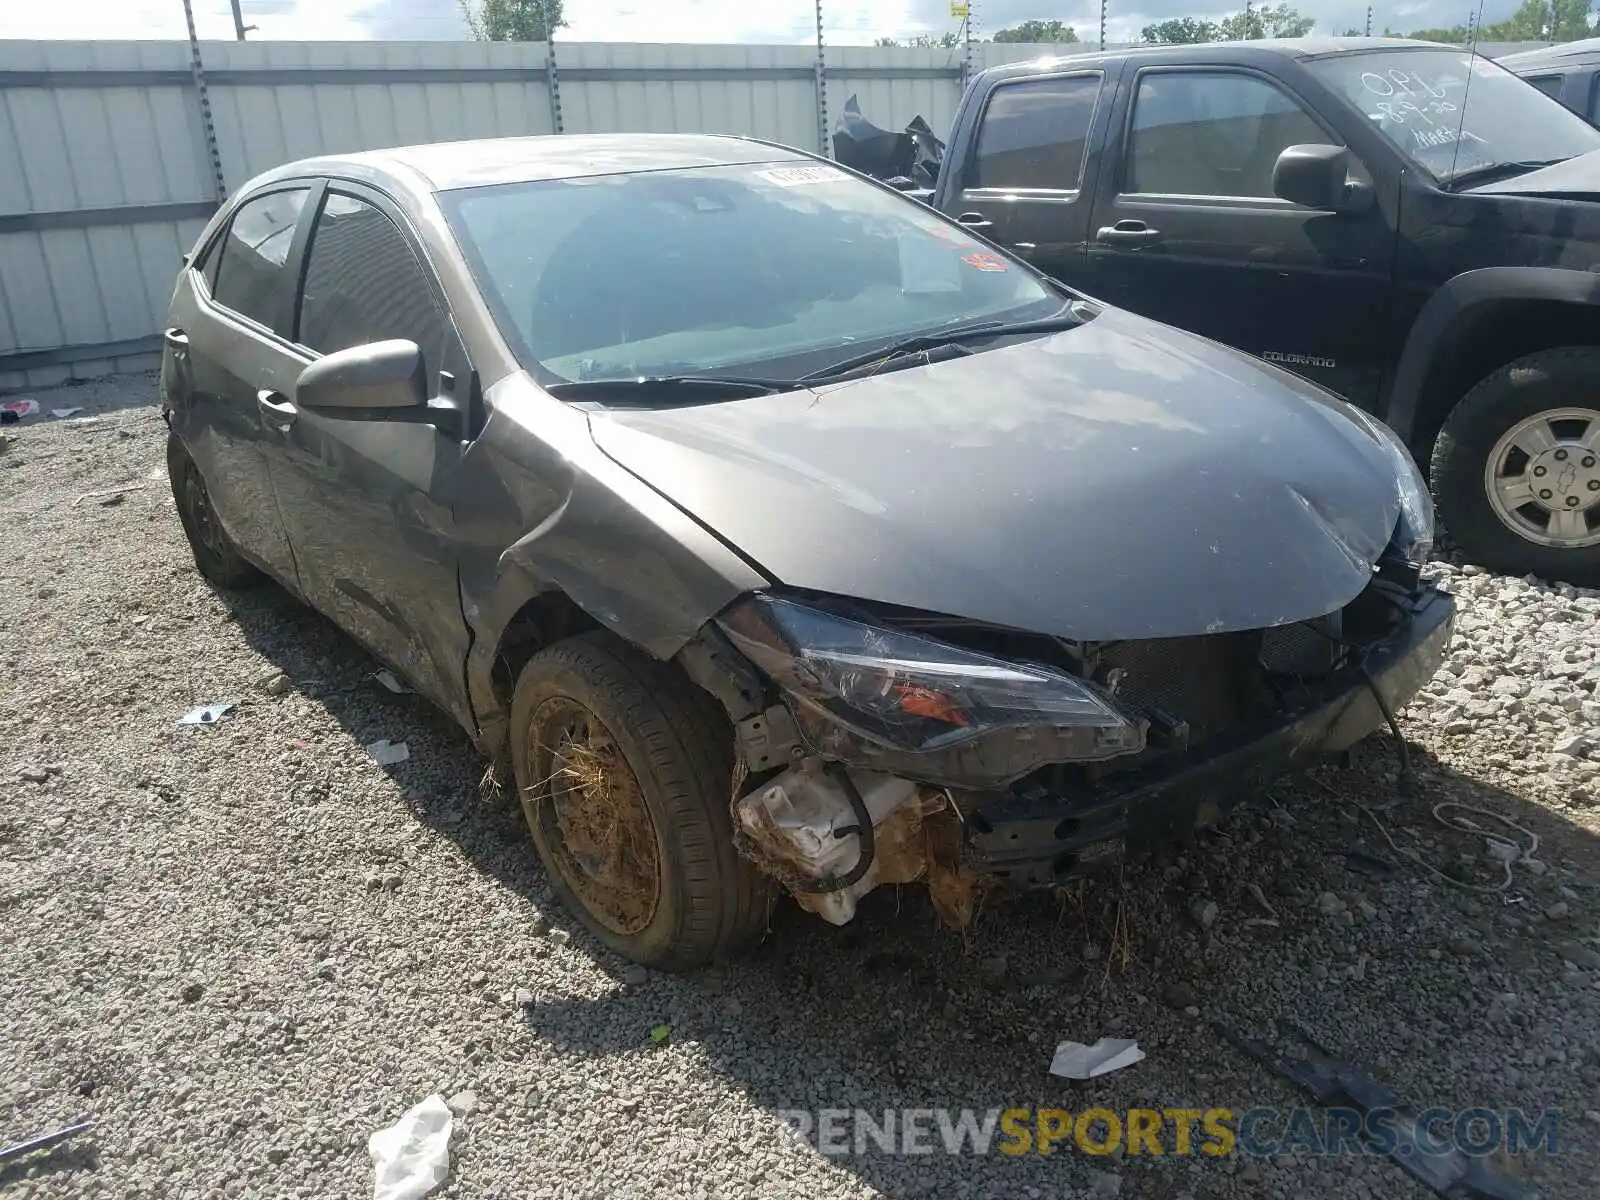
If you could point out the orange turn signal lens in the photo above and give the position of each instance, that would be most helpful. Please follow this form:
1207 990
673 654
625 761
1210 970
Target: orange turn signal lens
925 702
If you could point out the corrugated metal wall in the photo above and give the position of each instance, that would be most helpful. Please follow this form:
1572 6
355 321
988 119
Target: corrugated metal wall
106 173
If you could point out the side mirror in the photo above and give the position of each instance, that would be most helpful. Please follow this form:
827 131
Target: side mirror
368 382
1317 177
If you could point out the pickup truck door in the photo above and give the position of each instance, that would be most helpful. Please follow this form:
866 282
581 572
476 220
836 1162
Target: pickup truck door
1187 229
1024 175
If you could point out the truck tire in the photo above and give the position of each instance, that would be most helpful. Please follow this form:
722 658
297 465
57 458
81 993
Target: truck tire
1516 468
624 770
215 555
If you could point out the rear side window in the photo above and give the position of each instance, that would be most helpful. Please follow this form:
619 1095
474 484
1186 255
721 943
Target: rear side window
1550 85
1201 133
1034 134
365 284
251 276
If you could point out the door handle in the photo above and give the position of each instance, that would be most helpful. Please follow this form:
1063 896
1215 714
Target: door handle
974 220
1127 233
276 410
1026 249
177 341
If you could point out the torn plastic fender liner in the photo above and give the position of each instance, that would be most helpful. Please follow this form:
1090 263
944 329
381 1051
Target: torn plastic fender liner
553 515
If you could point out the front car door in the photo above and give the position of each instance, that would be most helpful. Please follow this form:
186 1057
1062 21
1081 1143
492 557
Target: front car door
367 503
1188 230
1022 182
228 340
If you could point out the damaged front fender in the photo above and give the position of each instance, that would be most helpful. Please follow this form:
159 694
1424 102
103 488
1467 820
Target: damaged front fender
546 515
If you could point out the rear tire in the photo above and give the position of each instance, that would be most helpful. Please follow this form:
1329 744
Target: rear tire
215 555
1478 452
624 770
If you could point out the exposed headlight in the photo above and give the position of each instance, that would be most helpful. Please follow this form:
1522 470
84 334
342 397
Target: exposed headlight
1414 534
875 696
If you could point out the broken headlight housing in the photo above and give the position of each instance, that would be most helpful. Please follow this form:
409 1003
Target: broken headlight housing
891 700
1413 535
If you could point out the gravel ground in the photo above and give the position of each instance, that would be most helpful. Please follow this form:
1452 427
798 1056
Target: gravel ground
244 948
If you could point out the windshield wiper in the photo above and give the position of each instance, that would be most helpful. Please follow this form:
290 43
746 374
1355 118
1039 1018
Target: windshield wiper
920 344
1491 172
668 389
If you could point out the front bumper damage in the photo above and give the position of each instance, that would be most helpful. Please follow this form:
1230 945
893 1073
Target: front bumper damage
831 830
1035 838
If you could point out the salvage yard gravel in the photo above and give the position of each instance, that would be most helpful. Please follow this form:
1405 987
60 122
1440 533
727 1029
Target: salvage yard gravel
242 946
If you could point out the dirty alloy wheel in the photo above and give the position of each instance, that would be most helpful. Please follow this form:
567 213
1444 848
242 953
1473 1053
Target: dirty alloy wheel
1516 469
624 770
215 555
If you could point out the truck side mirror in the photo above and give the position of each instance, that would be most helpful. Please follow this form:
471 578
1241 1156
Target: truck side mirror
1317 177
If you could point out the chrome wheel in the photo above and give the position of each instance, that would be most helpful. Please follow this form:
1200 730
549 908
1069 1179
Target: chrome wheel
1543 478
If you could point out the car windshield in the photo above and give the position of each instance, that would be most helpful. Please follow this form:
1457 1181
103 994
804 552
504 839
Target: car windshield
1420 100
774 268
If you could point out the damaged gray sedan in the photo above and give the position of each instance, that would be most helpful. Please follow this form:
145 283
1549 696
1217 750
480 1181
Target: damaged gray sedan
774 532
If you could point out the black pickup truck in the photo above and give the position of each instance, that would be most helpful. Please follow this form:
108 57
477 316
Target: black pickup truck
1407 224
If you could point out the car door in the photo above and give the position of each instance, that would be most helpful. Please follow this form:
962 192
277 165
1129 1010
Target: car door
1022 183
229 340
367 503
1188 230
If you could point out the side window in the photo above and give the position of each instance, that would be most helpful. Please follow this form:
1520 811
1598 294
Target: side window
1201 133
1550 85
1594 99
207 259
364 284
250 275
1034 134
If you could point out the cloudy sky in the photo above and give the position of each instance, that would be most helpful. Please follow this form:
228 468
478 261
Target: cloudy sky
848 22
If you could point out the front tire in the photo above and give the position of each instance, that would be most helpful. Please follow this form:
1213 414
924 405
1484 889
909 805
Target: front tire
215 555
1516 468
624 770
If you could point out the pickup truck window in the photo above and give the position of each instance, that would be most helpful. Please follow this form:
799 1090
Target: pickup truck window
1034 134
1419 100
1212 133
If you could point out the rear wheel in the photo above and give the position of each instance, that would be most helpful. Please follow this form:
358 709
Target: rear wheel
624 770
1516 469
215 555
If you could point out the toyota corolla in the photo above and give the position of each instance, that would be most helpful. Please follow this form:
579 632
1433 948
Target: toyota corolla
771 531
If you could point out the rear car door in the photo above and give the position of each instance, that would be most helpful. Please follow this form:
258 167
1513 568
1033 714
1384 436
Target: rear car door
367 503
1022 181
1188 230
227 340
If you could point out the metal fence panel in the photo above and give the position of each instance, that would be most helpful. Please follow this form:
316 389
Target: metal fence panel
106 175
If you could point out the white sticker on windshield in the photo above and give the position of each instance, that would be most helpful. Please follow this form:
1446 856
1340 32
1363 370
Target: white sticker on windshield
926 265
799 176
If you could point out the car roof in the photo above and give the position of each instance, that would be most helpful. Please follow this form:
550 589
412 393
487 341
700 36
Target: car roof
1568 54
444 166
1210 52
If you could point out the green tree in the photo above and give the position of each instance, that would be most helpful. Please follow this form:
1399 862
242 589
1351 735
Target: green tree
1535 21
1038 31
1456 35
1266 21
513 20
1180 31
923 41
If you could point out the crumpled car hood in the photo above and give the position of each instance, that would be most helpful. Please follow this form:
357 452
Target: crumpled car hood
1118 480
